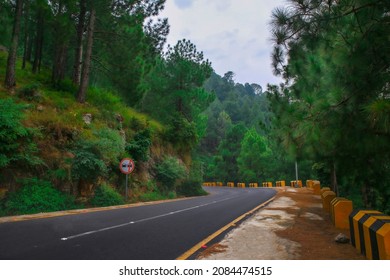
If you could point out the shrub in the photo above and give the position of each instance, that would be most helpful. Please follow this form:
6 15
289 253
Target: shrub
37 196
151 196
156 195
139 146
191 187
106 196
30 92
16 141
103 98
86 164
168 171
181 132
109 144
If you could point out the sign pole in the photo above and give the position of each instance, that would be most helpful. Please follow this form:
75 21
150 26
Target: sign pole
126 166
127 181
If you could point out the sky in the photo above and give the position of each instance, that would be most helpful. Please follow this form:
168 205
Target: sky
233 34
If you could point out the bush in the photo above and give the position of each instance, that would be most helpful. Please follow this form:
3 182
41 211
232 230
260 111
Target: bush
16 141
191 187
30 92
155 195
86 164
106 196
168 171
37 196
139 146
151 196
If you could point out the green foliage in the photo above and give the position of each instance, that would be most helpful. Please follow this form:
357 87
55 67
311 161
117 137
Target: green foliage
175 86
37 196
93 154
103 98
30 92
106 196
16 141
109 143
192 185
254 158
168 172
151 196
228 152
87 164
139 146
181 132
335 109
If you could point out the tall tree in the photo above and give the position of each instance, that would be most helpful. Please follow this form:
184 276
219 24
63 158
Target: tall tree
80 26
82 92
10 79
336 75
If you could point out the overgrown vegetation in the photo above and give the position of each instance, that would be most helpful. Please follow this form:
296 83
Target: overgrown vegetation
37 196
106 196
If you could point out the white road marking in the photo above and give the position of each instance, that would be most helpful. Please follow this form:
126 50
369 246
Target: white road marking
142 220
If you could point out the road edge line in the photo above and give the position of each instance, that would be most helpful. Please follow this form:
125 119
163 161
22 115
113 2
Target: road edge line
198 246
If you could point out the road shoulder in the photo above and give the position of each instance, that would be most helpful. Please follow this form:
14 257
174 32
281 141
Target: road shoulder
293 226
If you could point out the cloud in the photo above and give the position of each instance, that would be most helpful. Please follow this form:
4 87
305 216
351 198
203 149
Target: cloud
184 4
233 34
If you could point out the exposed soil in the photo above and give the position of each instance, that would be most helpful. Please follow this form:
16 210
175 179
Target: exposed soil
293 226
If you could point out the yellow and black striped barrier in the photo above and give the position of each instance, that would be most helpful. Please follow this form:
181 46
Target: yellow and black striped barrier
267 184
253 185
356 220
280 183
230 184
376 237
296 184
240 185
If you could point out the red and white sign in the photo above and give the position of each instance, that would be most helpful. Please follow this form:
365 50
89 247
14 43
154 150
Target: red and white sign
127 165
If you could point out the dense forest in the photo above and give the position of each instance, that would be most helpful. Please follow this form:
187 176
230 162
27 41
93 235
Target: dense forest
87 83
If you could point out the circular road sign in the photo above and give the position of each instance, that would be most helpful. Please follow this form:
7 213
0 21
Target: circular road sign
127 165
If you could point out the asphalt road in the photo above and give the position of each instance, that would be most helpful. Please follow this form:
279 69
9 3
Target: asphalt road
150 232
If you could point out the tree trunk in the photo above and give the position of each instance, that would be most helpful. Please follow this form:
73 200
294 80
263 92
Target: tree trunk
29 47
26 33
87 60
10 79
58 73
38 43
79 43
334 180
60 51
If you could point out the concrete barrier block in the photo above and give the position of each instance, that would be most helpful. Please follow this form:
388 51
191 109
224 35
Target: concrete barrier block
281 183
296 184
332 203
369 236
327 197
324 190
316 187
309 183
341 210
356 220
382 229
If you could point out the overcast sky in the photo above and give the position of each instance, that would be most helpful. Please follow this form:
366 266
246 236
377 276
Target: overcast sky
233 34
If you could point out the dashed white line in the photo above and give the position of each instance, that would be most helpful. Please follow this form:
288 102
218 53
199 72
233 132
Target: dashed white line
142 220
